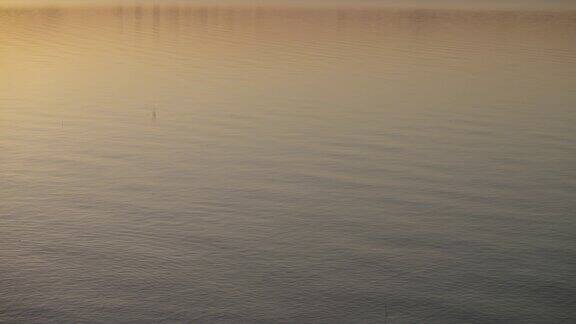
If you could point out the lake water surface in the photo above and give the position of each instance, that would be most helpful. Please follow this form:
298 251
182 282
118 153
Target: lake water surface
287 164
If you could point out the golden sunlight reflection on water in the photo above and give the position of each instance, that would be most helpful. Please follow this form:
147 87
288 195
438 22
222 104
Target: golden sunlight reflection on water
250 163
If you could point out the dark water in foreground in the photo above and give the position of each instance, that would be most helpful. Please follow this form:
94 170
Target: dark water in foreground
287 165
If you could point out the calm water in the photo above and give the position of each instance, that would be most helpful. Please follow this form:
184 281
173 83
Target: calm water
274 164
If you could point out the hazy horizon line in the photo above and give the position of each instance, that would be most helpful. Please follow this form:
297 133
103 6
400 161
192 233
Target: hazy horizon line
409 4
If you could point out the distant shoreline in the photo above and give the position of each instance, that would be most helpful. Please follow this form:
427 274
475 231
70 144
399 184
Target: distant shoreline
516 5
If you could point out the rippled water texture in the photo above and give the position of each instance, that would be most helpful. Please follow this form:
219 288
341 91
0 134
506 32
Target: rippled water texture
275 164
